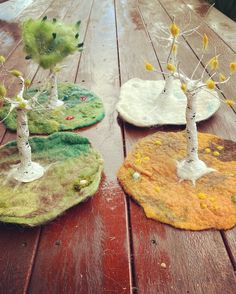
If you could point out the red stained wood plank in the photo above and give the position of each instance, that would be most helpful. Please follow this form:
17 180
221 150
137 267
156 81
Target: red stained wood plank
19 244
193 259
87 250
10 35
230 238
224 26
225 125
15 271
178 8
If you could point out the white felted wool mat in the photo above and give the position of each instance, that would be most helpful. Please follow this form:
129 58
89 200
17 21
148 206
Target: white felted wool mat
139 104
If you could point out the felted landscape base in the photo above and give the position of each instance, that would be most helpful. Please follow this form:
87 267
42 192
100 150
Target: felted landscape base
140 105
82 108
73 174
149 176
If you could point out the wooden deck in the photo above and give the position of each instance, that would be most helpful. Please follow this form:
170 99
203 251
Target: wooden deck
107 245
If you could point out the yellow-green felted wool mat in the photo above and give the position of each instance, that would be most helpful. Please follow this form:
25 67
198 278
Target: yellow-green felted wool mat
82 108
73 174
149 176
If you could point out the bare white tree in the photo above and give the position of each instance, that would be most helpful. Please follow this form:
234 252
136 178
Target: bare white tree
26 170
192 168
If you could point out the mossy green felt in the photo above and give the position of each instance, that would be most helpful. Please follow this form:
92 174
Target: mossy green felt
68 159
81 108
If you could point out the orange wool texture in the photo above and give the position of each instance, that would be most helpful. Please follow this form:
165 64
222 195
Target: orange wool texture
209 204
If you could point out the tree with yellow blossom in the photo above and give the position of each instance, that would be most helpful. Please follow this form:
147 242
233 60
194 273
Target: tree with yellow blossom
171 38
192 168
26 170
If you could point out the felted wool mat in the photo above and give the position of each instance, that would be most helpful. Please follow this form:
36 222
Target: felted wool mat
209 204
69 159
140 105
81 108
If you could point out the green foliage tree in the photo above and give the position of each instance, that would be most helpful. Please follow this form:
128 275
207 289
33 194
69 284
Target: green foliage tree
48 43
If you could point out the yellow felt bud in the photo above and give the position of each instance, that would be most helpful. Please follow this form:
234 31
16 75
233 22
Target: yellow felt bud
232 66
2 59
219 147
158 142
201 196
203 205
18 99
214 63
183 87
16 73
222 77
216 153
149 67
210 84
3 91
207 150
170 67
157 189
27 83
174 29
22 105
229 102
205 41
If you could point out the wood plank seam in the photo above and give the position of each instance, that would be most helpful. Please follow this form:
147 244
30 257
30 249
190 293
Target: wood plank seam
223 236
150 281
13 50
85 34
232 107
219 36
133 280
228 249
20 41
37 241
33 257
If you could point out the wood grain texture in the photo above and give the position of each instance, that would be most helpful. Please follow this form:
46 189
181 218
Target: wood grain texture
87 250
17 246
10 35
224 122
187 255
17 261
230 237
178 8
224 26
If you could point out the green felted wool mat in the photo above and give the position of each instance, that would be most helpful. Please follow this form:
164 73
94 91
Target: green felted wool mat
82 108
69 159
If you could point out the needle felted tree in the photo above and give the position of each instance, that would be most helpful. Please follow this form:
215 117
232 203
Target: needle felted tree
26 170
41 177
145 103
69 106
48 43
192 168
154 171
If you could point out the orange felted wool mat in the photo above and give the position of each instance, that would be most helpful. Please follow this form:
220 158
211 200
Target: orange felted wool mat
149 176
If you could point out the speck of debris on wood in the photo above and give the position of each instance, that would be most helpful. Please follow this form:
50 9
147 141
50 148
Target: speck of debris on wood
163 265
58 242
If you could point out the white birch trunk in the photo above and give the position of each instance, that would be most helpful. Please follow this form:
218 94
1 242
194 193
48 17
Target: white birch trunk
22 138
53 100
168 88
26 170
166 97
191 168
